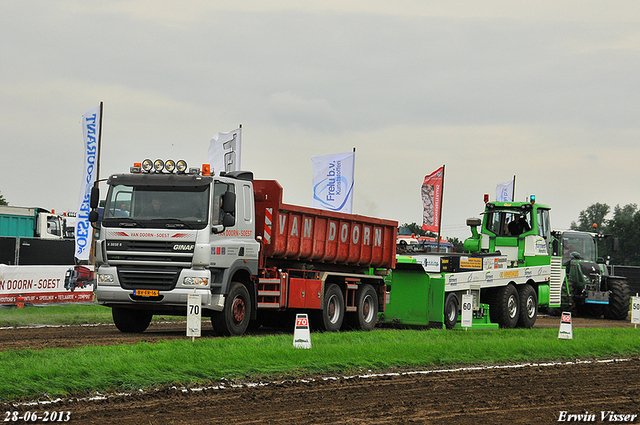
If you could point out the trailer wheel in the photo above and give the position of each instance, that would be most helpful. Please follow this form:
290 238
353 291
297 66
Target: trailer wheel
505 309
450 311
235 317
619 299
528 306
366 313
332 313
131 321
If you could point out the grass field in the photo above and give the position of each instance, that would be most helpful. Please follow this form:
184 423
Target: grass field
29 374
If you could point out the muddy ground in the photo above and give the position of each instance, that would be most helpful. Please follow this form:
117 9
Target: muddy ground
530 394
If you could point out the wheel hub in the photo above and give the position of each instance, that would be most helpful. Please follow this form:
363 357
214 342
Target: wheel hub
238 310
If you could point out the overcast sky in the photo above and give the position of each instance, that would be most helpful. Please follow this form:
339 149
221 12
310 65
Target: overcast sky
547 91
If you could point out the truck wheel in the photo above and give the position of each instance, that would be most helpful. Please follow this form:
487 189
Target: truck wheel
528 306
235 317
366 313
332 314
450 311
619 300
131 321
505 309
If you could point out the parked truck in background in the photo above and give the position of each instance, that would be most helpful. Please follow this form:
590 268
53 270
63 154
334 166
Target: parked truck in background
33 236
168 231
507 266
30 222
588 289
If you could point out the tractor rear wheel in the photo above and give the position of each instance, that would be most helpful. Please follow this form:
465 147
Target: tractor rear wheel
619 300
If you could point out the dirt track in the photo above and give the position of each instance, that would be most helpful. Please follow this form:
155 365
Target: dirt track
530 394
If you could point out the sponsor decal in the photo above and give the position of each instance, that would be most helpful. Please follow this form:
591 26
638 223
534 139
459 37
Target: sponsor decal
510 273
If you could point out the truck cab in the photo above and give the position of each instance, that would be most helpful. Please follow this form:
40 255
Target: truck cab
519 230
167 235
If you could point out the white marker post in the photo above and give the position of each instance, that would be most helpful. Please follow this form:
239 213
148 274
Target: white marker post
635 311
566 331
467 311
194 316
301 333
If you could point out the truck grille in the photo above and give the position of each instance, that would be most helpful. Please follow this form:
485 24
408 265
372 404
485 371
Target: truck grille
160 278
149 264
150 252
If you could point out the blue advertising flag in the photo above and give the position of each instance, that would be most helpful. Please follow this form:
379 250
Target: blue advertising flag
333 179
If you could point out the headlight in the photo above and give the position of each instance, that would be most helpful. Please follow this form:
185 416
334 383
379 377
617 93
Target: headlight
170 165
105 278
198 281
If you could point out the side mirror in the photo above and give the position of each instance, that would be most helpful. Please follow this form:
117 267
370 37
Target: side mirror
228 220
93 216
95 197
229 202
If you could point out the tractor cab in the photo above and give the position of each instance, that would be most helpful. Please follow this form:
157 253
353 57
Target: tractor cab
519 230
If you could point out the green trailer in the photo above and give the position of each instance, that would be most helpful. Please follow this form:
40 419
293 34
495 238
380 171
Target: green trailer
416 298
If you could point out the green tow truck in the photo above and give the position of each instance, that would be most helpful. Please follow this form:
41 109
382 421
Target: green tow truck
507 266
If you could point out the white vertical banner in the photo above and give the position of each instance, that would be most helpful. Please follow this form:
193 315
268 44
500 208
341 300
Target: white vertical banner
91 135
333 179
504 192
224 151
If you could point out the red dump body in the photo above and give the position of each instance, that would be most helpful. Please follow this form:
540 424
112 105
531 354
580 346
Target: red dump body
308 234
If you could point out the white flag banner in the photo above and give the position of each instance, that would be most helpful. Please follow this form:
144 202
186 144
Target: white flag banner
333 178
91 136
224 151
504 192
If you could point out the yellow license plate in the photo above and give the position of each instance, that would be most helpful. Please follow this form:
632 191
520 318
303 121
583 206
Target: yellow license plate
145 292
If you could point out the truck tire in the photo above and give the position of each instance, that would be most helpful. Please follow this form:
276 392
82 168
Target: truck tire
332 313
450 311
366 313
505 307
528 306
619 300
234 319
131 321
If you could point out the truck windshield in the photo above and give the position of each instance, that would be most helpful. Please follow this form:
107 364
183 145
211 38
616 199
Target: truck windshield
156 206
508 222
581 243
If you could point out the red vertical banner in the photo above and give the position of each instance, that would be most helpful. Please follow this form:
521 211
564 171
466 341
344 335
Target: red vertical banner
431 200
